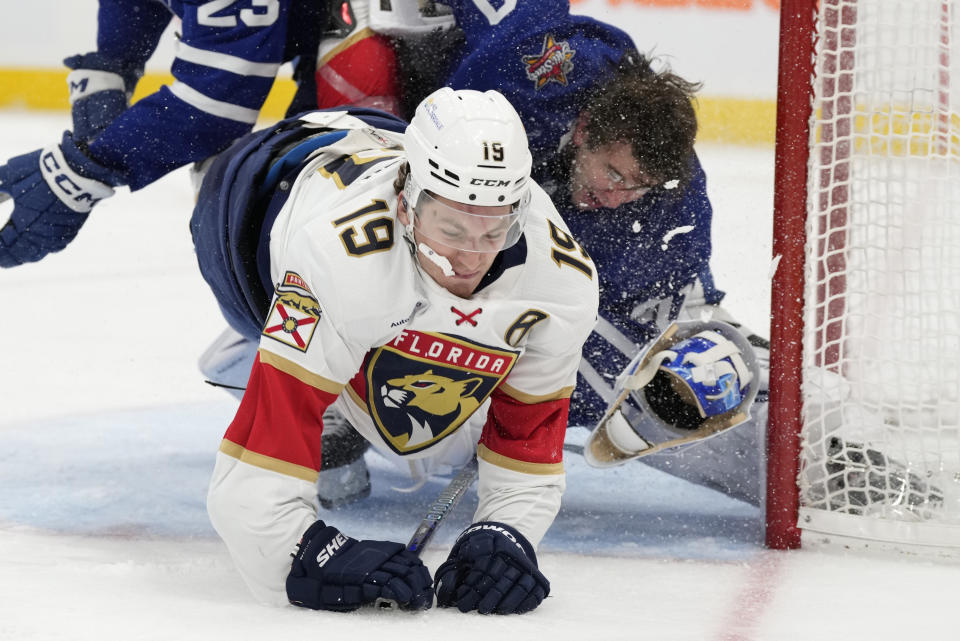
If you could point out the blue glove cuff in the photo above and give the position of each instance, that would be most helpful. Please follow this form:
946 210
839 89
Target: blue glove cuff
323 539
76 156
508 532
95 61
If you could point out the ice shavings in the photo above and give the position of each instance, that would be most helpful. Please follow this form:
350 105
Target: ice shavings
684 229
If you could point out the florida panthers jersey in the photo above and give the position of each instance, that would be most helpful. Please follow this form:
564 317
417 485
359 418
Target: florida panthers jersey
649 252
354 317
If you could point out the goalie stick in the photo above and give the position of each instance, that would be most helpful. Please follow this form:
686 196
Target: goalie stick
448 499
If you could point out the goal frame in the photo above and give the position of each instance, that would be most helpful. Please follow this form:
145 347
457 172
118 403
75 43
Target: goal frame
798 44
795 70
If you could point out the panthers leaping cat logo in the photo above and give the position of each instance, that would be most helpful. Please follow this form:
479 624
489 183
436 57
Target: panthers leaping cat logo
436 395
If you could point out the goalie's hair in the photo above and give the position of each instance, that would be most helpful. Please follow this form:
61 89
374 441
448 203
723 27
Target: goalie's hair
651 110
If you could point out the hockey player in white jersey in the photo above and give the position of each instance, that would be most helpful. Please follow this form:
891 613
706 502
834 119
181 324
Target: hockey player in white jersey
405 279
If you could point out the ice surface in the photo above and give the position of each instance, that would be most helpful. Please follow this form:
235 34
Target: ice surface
107 439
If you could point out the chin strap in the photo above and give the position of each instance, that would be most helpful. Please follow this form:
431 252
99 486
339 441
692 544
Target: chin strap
411 194
437 259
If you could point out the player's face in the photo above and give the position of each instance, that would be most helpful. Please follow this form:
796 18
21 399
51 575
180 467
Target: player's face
608 176
468 236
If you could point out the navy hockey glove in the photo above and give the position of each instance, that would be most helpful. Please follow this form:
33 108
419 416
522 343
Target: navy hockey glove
53 190
332 571
491 568
100 89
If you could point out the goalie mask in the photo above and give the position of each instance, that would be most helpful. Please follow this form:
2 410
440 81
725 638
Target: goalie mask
696 380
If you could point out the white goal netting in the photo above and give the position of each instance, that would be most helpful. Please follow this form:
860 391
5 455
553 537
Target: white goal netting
881 438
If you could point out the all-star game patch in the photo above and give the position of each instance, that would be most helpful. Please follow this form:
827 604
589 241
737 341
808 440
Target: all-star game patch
552 64
294 313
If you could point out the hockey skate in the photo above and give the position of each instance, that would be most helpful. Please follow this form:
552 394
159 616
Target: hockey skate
343 476
862 480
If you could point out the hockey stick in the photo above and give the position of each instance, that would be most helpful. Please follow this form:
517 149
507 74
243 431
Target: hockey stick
572 447
223 385
445 501
448 499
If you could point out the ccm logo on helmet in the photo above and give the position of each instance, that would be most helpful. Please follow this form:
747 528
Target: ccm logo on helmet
489 182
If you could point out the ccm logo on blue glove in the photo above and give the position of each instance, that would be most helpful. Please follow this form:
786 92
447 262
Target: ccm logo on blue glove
85 82
53 191
76 192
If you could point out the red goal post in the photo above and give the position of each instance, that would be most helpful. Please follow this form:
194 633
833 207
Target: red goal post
864 422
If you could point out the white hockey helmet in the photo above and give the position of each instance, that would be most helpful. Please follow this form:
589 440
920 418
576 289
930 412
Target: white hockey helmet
469 147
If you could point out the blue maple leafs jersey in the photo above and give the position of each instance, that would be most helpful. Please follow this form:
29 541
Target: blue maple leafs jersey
542 58
227 56
648 252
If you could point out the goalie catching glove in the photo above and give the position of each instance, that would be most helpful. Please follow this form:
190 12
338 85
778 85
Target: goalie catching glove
331 571
696 380
492 568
